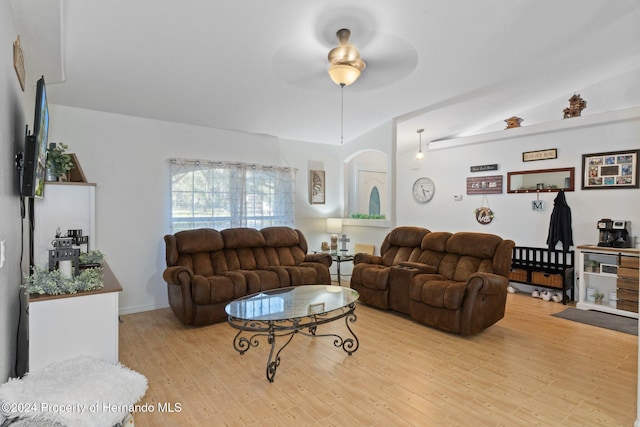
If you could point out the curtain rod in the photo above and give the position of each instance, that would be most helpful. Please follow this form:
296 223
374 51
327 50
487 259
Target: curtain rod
198 162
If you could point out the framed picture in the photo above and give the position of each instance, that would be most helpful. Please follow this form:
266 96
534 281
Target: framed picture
615 169
484 185
530 156
316 187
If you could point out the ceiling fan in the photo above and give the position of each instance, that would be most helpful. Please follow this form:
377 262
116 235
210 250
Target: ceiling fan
345 62
389 59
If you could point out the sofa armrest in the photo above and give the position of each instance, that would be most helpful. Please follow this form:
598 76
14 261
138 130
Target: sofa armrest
322 258
424 268
363 258
484 302
179 286
492 284
178 275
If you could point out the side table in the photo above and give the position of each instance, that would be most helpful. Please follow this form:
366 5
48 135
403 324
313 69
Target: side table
339 259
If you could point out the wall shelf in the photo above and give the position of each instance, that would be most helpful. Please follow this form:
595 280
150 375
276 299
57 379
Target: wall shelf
600 119
379 223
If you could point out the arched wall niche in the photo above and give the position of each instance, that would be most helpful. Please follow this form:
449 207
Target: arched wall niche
367 183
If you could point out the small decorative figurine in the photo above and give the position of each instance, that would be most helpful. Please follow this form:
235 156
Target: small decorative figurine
513 122
576 105
325 247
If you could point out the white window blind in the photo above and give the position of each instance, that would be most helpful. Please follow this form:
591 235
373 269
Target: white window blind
219 195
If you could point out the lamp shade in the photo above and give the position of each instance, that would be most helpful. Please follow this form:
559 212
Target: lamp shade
334 225
343 74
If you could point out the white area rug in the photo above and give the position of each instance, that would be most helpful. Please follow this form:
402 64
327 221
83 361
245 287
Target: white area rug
82 392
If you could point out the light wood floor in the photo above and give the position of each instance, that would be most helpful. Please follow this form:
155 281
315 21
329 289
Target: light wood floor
528 369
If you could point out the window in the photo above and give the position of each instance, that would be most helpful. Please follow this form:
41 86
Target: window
219 195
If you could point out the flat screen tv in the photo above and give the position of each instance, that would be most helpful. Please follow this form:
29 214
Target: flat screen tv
35 150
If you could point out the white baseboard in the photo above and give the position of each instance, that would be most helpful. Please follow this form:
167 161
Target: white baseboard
140 308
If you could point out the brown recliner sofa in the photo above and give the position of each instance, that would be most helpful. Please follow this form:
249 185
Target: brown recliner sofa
207 269
456 282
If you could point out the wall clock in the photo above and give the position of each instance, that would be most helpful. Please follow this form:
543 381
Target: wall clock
423 190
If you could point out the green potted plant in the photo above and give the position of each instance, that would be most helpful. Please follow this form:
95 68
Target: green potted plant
59 163
598 296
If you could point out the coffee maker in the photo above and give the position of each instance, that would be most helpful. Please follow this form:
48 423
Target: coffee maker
614 233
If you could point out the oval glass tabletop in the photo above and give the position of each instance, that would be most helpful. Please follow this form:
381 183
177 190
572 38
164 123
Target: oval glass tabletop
290 303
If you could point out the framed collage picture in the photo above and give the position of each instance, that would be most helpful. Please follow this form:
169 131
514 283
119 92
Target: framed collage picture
484 185
615 169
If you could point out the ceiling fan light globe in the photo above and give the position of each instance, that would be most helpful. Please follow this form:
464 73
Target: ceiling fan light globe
343 74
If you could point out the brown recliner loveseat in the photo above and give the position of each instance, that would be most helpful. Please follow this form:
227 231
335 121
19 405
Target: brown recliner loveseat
207 269
456 282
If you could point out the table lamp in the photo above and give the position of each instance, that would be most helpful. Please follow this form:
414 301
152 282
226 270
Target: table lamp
334 227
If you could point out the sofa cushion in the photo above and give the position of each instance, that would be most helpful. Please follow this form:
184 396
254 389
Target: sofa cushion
276 237
242 238
285 256
215 289
245 258
468 253
301 275
375 277
433 247
402 244
199 250
256 280
438 292
480 245
284 246
201 240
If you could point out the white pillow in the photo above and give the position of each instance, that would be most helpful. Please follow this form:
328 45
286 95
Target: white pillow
81 392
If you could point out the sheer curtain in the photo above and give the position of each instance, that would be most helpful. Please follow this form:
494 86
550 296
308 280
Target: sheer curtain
209 194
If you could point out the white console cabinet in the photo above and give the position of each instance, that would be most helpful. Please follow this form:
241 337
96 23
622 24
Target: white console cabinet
62 327
612 272
65 326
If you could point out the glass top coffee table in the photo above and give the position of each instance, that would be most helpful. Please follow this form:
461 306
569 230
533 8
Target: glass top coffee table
284 312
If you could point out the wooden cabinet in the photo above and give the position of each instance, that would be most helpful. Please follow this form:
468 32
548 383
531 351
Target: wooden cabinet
612 272
627 283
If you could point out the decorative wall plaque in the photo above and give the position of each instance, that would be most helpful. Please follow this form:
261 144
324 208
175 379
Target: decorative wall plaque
530 156
18 62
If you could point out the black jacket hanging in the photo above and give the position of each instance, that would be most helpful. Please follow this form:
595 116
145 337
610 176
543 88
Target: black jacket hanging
560 225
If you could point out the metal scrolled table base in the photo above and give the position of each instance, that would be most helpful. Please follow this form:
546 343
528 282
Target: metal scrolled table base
287 328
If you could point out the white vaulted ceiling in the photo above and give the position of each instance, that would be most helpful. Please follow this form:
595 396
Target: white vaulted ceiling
451 67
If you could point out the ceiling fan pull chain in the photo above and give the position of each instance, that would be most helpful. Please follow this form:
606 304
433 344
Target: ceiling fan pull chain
341 113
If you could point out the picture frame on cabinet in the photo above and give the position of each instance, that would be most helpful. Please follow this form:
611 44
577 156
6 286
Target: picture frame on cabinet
316 187
610 170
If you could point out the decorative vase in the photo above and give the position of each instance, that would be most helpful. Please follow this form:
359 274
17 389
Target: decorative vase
49 175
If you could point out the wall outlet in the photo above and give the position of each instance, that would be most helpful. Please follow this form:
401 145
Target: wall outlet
457 197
